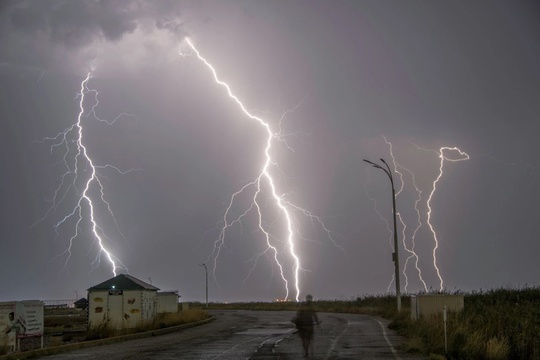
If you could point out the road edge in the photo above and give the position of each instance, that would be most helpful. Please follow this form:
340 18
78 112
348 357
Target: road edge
85 344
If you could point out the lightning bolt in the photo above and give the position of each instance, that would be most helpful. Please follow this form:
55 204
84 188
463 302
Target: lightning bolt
262 183
464 156
81 177
444 155
411 250
418 226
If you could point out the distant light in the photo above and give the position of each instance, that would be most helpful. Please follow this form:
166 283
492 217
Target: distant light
113 286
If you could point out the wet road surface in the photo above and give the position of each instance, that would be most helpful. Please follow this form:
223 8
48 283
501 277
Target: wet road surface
258 335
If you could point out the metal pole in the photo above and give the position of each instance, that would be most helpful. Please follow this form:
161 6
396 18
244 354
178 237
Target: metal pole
395 255
206 273
445 337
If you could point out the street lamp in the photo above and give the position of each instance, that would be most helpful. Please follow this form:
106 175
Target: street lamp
395 255
206 272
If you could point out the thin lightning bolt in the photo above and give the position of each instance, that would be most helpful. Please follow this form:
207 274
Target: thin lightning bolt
411 251
418 226
263 181
81 168
464 156
443 156
403 236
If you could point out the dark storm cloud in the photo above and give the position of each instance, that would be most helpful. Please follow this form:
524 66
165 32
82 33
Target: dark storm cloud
77 23
40 32
73 23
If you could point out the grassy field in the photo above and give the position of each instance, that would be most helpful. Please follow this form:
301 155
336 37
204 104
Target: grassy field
495 324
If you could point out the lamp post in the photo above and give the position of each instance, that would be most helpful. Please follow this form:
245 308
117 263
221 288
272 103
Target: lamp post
206 273
395 256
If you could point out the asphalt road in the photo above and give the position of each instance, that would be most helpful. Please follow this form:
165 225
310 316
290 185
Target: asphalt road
258 335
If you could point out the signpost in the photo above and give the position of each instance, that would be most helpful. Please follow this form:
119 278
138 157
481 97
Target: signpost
20 319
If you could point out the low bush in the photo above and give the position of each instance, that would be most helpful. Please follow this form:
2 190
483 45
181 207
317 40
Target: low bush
161 321
101 331
180 318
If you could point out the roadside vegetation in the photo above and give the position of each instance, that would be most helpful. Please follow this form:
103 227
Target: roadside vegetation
495 324
64 326
160 322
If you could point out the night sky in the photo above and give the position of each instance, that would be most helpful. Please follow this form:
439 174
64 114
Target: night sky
336 82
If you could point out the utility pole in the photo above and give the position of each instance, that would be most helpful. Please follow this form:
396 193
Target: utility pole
395 255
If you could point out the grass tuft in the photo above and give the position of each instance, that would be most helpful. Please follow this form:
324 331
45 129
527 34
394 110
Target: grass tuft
101 331
497 349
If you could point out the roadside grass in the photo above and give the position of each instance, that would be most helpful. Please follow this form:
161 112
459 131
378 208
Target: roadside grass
161 321
179 318
495 324
59 336
3 349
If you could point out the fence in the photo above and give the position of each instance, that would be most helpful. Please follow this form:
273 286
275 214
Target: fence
54 304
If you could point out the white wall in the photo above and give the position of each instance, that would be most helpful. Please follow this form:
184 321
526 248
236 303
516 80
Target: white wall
149 305
167 302
97 307
121 311
132 308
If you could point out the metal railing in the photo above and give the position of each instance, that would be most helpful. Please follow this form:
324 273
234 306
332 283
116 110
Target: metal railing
70 303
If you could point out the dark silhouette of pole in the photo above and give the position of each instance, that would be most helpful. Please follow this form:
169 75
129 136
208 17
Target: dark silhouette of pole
206 273
395 255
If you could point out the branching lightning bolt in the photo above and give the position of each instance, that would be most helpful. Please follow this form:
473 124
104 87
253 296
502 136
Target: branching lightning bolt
81 168
443 156
464 156
411 250
263 181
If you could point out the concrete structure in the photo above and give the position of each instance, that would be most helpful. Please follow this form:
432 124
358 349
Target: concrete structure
122 302
167 302
433 304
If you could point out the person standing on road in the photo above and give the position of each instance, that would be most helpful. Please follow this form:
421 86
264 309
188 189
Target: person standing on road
306 316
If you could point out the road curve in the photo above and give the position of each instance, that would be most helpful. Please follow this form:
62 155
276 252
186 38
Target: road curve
258 335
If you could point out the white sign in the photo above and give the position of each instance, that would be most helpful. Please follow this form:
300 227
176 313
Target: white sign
21 318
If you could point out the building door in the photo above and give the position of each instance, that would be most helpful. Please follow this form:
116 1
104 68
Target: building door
115 309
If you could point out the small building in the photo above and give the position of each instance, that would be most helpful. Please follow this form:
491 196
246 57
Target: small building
82 303
122 301
434 304
167 301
